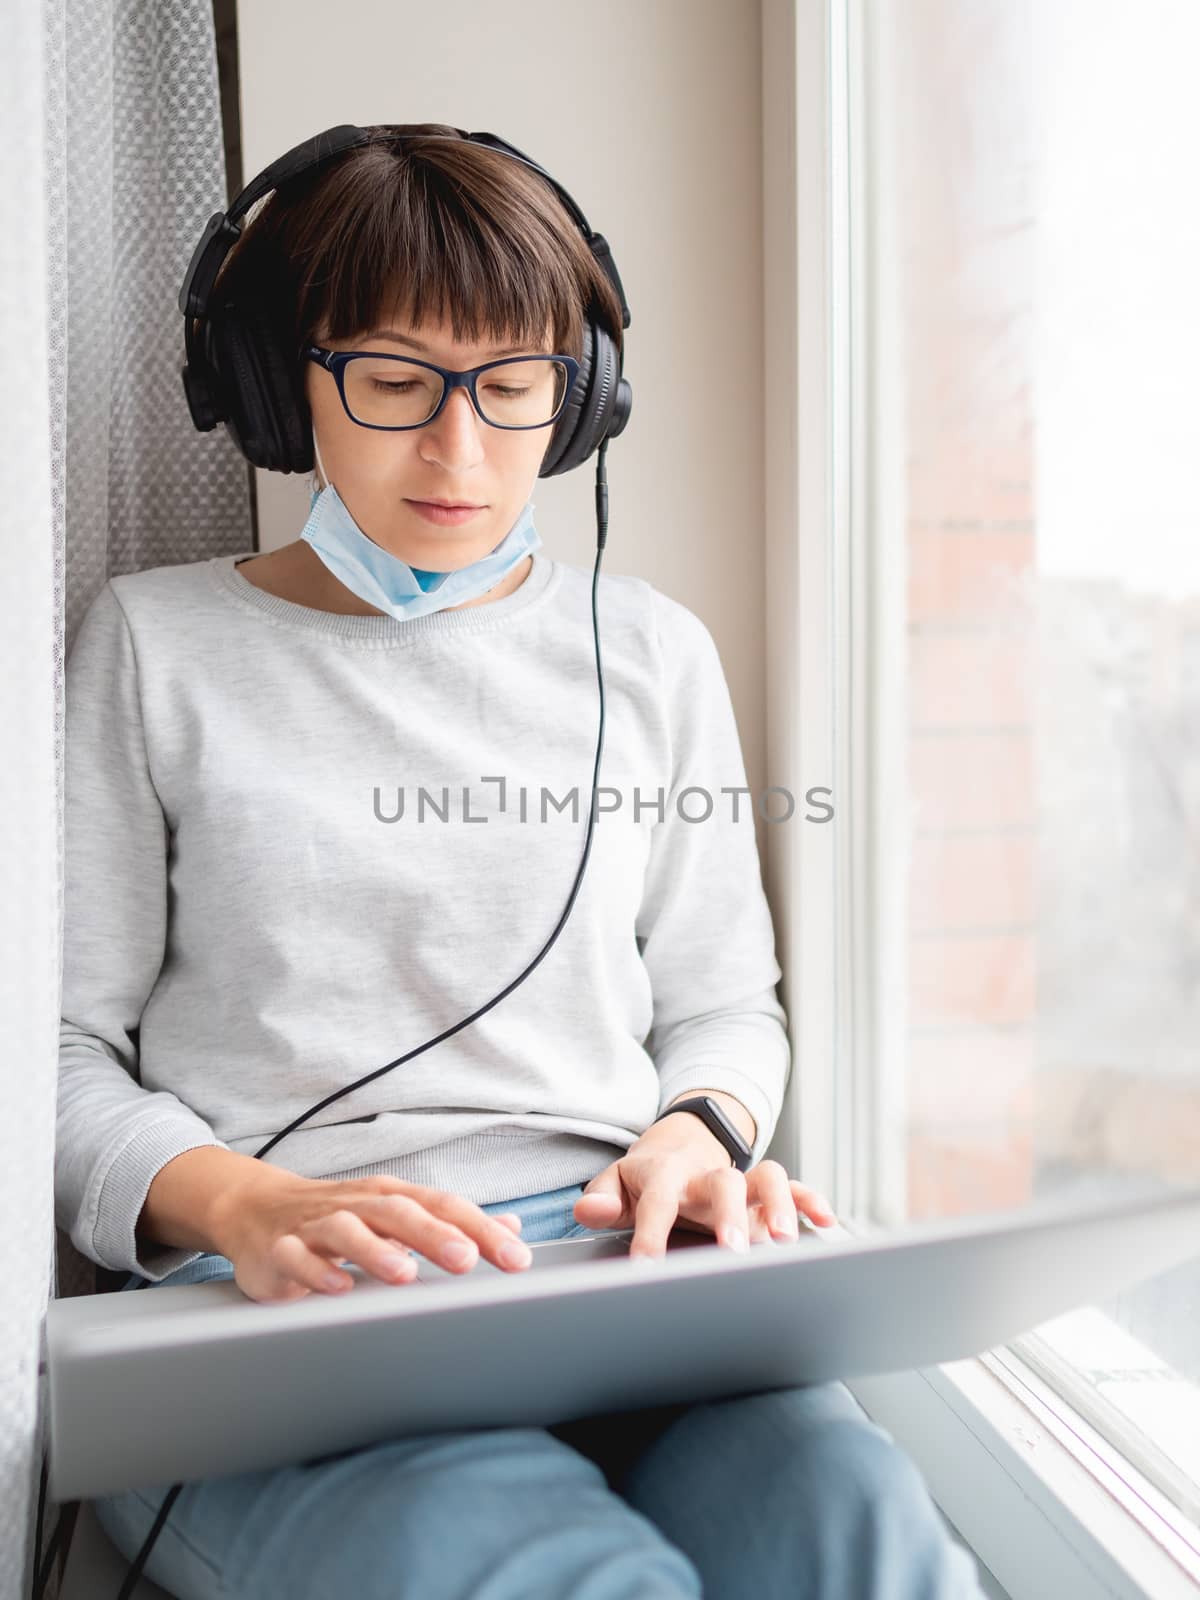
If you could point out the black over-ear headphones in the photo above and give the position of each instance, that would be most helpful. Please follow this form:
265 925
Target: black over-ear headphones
238 374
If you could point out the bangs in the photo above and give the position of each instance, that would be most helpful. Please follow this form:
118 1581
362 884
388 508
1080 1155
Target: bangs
426 252
431 229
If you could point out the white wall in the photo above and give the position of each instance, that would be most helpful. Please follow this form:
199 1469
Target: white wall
649 112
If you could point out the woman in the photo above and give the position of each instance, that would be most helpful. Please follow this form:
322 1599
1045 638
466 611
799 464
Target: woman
254 920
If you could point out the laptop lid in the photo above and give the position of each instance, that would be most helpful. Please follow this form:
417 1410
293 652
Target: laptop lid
175 1384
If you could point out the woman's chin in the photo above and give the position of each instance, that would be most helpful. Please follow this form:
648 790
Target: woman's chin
448 551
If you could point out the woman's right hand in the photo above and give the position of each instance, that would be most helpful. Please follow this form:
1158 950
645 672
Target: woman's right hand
287 1234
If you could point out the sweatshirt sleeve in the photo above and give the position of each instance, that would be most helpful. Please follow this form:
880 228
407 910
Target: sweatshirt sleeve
112 1136
704 926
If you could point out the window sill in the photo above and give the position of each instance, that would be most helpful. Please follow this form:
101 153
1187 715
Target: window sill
1046 1503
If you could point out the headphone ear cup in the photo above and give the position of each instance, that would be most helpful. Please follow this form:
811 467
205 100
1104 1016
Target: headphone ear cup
288 404
241 398
614 400
201 381
265 416
586 416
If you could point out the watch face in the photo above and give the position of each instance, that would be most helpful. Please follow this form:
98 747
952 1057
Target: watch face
719 1124
724 1120
735 1140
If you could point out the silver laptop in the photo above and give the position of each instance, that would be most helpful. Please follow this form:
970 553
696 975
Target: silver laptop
155 1387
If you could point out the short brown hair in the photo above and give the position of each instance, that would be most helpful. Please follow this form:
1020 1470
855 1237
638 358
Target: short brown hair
434 223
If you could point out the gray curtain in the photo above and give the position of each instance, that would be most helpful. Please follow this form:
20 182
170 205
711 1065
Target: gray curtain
111 162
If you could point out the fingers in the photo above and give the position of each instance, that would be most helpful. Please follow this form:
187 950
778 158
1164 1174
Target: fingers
609 1206
780 1197
606 1196
814 1205
310 1256
774 1192
379 1234
740 1208
727 1190
657 1208
380 1224
447 1229
724 1190
383 1183
760 1232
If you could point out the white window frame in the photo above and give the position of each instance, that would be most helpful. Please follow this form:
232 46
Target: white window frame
1047 1504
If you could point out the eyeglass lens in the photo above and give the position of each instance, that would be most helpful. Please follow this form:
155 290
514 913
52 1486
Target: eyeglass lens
384 391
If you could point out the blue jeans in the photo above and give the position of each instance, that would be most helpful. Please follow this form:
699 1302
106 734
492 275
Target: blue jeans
792 1492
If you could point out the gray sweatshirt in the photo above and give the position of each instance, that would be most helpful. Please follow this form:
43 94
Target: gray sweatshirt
299 845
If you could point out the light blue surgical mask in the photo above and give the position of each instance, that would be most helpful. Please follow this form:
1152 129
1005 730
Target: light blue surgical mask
388 582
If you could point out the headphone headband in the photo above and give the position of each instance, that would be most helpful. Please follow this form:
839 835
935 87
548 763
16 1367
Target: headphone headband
236 373
220 234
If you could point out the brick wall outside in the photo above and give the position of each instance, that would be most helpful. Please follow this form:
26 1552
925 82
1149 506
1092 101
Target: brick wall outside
1053 868
963 219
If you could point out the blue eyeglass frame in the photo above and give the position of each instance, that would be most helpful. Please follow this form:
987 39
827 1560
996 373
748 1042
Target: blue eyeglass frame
336 362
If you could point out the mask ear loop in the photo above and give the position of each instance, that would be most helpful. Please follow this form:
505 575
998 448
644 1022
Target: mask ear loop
319 469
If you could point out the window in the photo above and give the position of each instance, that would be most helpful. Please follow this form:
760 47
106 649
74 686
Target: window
1018 351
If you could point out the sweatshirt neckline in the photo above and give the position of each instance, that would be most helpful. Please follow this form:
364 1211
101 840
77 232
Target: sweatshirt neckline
387 630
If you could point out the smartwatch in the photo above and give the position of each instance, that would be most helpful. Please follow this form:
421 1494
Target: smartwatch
707 1109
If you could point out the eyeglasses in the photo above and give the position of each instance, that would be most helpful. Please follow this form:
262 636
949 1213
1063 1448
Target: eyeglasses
396 392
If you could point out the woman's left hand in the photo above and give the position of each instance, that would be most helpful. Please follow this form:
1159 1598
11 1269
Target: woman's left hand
681 1176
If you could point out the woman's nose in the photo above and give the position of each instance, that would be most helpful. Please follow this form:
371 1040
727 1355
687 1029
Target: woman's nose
454 438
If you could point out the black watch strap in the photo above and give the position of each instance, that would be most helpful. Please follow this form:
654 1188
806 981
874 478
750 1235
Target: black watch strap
709 1112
